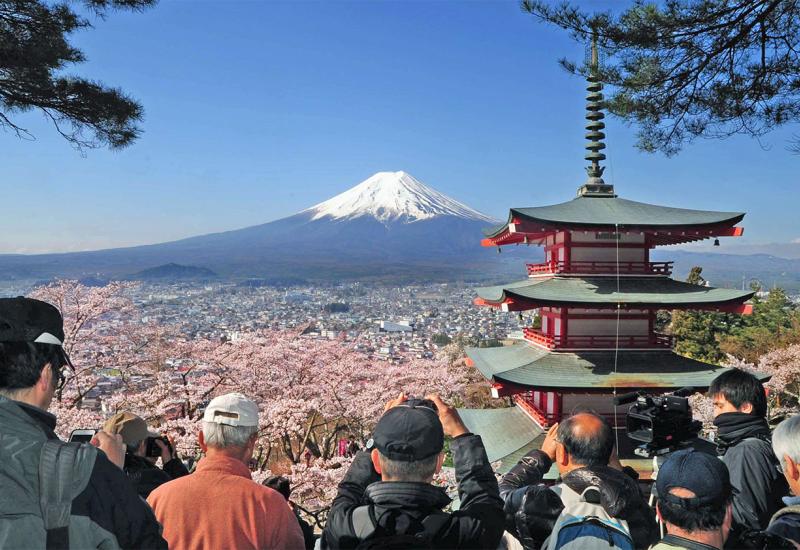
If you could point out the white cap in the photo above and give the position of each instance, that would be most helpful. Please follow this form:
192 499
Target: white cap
232 409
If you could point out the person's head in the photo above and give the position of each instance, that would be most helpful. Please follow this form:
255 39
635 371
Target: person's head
786 444
736 390
133 430
280 484
32 357
694 495
230 427
584 440
407 442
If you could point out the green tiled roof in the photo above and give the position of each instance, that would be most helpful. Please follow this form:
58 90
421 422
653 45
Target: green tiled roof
598 291
528 365
507 433
608 211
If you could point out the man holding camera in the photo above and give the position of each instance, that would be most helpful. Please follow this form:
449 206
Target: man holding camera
743 437
386 499
142 449
594 485
56 494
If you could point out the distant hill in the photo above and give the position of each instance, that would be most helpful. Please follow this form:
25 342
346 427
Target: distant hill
173 272
734 270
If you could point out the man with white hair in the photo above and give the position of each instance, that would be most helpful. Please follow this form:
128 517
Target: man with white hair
786 444
219 505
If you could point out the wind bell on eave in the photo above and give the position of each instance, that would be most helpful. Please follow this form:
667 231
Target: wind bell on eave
595 186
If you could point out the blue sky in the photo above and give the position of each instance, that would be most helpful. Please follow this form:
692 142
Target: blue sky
255 110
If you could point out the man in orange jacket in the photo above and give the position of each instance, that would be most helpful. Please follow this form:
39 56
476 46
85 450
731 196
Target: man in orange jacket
219 505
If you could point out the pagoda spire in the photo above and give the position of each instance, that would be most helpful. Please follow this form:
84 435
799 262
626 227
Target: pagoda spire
595 186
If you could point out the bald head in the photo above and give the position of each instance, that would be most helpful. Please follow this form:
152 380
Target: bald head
587 438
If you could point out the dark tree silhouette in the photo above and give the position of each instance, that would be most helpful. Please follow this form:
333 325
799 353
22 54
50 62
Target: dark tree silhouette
34 53
683 69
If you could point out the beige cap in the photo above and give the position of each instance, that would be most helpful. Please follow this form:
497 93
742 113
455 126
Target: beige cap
132 428
232 409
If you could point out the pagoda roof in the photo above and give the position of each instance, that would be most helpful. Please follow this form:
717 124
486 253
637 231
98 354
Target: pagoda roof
612 211
508 433
659 292
530 366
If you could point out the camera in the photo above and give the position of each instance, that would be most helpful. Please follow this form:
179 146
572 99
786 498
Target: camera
659 423
153 450
415 402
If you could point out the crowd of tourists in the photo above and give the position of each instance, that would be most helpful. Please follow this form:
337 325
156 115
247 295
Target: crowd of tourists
112 494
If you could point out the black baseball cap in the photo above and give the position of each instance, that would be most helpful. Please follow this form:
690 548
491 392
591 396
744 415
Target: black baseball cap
701 473
409 432
28 320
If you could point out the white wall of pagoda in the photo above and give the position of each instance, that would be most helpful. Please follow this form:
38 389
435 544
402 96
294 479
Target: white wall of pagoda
596 246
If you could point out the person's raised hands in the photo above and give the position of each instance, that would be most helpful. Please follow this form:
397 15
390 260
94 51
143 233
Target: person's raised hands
112 445
452 424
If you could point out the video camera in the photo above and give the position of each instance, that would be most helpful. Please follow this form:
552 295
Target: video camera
660 423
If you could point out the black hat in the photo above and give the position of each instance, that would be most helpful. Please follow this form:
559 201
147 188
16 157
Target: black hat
29 320
701 473
409 432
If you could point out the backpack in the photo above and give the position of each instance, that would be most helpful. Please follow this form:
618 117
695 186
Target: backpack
373 535
585 524
63 473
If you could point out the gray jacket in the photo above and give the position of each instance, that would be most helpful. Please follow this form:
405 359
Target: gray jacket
105 513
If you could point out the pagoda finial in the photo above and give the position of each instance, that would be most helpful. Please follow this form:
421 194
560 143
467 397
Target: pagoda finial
595 186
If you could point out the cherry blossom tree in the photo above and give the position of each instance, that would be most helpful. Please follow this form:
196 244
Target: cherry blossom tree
311 393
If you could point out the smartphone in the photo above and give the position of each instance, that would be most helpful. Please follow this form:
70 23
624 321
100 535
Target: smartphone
82 436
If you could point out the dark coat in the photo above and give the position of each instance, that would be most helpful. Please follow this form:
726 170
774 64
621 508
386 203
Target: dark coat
786 524
145 476
757 477
478 523
532 508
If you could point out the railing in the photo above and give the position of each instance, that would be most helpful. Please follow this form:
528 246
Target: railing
644 341
541 417
601 268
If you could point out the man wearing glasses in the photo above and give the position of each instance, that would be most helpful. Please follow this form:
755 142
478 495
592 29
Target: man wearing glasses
55 494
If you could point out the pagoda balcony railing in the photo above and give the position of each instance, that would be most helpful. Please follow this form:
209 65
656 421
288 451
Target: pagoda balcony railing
600 268
544 419
639 341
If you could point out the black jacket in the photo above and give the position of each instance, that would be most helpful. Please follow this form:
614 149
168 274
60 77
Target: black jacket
531 508
477 524
109 504
145 476
755 475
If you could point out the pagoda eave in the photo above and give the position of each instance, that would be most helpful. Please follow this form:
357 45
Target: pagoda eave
522 367
610 292
521 232
522 304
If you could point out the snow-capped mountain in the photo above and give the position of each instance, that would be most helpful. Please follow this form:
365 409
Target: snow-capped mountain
390 226
393 196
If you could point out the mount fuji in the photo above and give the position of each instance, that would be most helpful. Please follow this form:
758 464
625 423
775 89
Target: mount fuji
391 226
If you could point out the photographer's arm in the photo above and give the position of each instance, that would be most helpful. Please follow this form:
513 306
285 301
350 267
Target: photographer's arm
349 496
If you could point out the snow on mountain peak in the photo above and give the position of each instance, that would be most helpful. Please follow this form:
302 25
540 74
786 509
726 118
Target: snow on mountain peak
393 196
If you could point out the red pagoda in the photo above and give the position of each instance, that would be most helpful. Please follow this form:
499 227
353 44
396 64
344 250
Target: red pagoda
597 293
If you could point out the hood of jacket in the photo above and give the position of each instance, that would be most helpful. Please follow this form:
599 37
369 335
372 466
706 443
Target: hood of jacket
406 495
619 493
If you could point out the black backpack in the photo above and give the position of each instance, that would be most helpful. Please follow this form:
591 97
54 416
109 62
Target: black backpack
374 535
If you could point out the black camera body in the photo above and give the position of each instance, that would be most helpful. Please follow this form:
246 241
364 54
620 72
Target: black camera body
152 449
659 423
